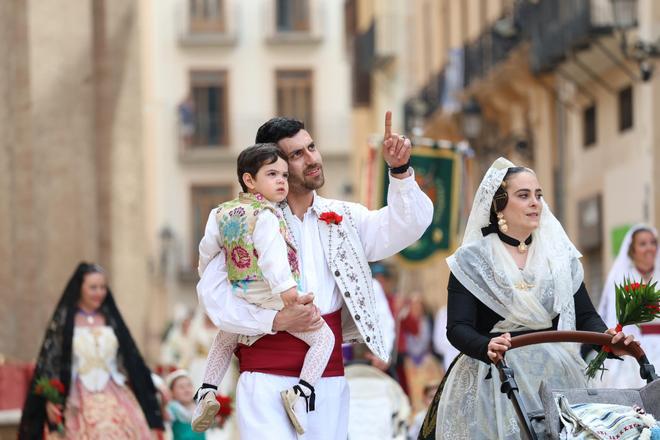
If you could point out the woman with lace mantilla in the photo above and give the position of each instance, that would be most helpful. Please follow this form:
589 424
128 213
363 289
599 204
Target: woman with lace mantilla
515 272
90 350
638 260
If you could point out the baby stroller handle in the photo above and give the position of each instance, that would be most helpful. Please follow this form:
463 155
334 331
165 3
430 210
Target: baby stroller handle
593 338
647 371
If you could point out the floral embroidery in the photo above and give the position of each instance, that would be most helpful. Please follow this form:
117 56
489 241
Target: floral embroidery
331 218
241 257
293 260
351 272
233 229
236 220
237 212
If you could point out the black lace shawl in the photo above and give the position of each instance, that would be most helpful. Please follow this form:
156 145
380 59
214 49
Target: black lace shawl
56 351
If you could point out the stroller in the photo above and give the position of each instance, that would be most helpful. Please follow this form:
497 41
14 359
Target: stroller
545 423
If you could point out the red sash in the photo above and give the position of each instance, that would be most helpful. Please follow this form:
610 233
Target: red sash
650 329
283 354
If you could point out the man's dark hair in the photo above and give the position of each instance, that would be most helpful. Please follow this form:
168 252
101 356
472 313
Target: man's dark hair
254 157
276 129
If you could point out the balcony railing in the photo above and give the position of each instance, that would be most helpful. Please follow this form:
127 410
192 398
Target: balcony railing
426 102
558 27
554 27
483 54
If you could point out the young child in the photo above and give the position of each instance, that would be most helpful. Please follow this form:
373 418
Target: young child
182 405
262 267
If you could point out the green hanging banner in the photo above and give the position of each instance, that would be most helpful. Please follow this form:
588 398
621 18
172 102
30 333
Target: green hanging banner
437 173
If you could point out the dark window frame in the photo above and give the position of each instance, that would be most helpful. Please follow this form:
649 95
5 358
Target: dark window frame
207 16
590 126
626 100
286 81
210 131
292 16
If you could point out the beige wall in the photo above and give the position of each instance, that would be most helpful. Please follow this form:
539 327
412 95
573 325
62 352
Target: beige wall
619 166
71 186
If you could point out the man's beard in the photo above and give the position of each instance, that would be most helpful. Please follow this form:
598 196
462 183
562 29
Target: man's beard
304 184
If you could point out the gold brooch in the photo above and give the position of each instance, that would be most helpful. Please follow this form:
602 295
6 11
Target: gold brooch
522 285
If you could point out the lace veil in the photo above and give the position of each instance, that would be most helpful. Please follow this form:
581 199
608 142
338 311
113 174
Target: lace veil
527 298
622 267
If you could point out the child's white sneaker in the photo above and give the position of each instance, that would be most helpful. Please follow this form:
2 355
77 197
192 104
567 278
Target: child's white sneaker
205 411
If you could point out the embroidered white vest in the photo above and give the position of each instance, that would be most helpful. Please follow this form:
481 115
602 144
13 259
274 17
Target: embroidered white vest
346 259
345 256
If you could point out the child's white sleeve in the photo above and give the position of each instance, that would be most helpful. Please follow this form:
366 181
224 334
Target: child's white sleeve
227 311
209 247
273 252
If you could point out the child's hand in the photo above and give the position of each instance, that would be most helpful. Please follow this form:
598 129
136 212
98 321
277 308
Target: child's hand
290 297
306 298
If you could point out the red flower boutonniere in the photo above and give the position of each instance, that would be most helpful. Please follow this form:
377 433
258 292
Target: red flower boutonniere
331 218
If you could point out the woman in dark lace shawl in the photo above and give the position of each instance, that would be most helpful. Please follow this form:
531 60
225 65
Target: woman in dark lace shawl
57 359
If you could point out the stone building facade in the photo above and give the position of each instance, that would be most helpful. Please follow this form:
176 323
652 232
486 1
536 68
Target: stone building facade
71 161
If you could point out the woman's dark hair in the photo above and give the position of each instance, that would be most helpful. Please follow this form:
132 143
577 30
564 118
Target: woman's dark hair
631 248
254 157
501 198
276 129
55 357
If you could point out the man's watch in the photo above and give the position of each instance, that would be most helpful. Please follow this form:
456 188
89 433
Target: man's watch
400 169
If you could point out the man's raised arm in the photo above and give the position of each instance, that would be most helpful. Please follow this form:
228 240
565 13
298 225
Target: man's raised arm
408 212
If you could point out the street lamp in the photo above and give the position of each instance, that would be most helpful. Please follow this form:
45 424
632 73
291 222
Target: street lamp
472 119
625 18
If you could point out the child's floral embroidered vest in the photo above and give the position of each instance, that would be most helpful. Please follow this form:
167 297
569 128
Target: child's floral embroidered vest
236 220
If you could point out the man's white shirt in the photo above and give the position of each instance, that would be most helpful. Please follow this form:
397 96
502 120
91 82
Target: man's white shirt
382 232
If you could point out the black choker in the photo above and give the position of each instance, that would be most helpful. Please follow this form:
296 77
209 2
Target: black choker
522 247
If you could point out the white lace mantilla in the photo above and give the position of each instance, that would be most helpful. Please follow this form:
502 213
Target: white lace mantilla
552 274
471 406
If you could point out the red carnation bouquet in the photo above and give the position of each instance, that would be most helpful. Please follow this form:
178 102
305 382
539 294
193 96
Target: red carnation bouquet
53 391
226 409
635 303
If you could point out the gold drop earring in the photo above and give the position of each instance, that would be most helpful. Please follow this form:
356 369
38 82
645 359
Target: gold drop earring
501 223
